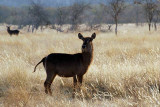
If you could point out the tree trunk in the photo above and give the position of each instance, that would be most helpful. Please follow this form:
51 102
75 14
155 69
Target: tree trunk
116 29
41 28
32 28
155 26
137 14
149 25
28 28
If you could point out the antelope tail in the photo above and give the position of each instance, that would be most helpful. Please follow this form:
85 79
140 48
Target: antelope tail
39 63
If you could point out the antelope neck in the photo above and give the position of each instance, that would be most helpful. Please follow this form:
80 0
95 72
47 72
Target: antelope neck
87 57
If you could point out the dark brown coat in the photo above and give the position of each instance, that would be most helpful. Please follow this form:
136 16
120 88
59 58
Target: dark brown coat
68 65
12 32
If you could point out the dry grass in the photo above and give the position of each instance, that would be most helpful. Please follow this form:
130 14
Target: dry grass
125 70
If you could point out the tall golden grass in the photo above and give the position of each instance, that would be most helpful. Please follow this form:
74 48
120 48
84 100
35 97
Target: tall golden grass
125 70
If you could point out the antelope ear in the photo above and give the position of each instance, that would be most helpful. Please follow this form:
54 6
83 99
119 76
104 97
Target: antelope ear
93 36
80 36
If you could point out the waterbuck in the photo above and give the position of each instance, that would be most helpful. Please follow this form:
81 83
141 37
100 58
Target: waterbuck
68 65
12 32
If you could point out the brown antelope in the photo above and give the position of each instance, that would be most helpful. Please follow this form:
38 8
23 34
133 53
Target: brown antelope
12 32
68 65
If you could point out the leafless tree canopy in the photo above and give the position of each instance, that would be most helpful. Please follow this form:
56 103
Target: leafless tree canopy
150 9
77 10
38 15
156 18
116 7
109 12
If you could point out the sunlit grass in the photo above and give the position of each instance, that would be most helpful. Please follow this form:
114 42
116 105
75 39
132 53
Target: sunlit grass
125 70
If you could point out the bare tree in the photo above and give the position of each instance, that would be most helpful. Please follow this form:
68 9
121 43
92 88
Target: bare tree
150 9
156 18
97 16
137 3
116 7
61 16
38 15
77 10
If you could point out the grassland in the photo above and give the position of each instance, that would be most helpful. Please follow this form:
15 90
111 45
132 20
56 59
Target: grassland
125 70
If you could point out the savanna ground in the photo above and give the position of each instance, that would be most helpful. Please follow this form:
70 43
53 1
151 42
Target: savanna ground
125 70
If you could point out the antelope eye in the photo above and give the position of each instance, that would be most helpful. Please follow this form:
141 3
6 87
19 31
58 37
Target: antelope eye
88 41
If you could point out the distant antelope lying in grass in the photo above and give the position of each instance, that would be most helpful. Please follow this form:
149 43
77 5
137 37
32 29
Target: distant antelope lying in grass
68 65
12 32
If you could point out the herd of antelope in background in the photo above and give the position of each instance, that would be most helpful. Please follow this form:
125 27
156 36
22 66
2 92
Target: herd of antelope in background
66 65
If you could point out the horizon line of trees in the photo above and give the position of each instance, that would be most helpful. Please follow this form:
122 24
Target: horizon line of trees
109 12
